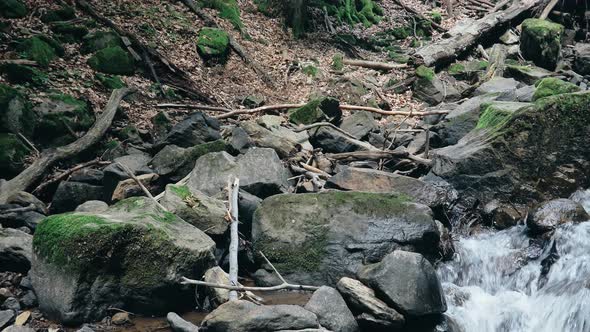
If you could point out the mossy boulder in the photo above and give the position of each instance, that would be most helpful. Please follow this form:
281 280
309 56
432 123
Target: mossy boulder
99 40
540 42
20 74
38 49
69 32
317 110
12 155
537 153
528 74
110 82
61 114
213 45
553 86
16 115
64 13
320 238
431 89
130 257
467 70
13 9
113 60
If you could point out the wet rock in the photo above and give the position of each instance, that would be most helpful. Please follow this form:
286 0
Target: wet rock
359 124
195 129
331 310
317 110
503 88
177 324
432 90
502 215
540 42
527 74
370 180
331 140
553 86
406 281
213 45
284 141
205 213
243 316
92 207
11 303
217 296
372 312
260 171
553 213
582 59
71 194
15 250
73 273
6 316
113 60
319 238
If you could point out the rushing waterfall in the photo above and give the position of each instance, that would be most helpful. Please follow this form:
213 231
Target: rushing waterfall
497 282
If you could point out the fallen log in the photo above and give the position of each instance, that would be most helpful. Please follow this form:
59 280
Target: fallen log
374 64
18 62
160 67
50 156
463 37
376 155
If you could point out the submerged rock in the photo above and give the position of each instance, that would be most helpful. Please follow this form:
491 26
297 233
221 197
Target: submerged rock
130 256
407 282
551 214
320 238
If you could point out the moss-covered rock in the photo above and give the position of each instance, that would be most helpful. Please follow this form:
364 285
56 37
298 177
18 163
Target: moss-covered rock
228 9
113 60
130 256
61 114
398 57
12 155
20 74
37 49
13 9
425 73
337 62
213 45
432 90
98 40
110 82
316 110
553 86
64 13
69 32
467 70
304 234
540 42
16 115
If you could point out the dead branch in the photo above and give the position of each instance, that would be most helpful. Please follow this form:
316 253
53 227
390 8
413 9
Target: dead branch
241 51
233 190
143 188
374 64
199 107
376 155
310 168
18 62
29 143
548 9
68 172
322 124
49 157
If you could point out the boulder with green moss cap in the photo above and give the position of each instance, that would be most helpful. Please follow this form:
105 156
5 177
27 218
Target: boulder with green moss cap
431 89
553 86
12 9
113 60
317 110
213 45
540 42
130 257
61 114
64 13
320 238
69 32
38 49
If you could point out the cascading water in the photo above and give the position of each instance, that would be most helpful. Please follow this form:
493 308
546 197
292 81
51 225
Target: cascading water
496 282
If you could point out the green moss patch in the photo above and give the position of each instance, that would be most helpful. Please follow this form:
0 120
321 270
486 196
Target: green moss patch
113 60
110 82
213 45
338 62
13 9
540 42
425 73
493 118
553 86
229 10
316 110
38 50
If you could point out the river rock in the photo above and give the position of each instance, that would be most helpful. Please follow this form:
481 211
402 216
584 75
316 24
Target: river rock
406 281
284 141
331 140
260 171
217 296
582 58
70 194
85 263
318 238
371 310
528 74
15 250
502 159
243 316
204 212
331 310
553 213
540 42
195 129
583 197
177 324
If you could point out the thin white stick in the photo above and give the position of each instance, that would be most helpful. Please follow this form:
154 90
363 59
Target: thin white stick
233 245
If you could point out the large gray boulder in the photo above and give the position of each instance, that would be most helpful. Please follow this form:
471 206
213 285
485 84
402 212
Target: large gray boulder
582 58
359 124
267 134
429 88
260 171
196 129
331 310
70 194
243 316
371 311
321 237
540 42
407 282
130 257
15 250
503 88
553 213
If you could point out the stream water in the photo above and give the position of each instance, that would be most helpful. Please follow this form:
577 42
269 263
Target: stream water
496 284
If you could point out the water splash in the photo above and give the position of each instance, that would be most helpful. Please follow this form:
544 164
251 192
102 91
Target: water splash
496 284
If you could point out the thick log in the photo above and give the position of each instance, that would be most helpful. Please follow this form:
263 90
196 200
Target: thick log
49 157
466 35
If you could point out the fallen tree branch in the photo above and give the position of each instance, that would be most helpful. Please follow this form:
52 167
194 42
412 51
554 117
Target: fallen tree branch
49 157
18 62
374 64
198 107
464 37
322 124
68 172
376 155
548 9
233 188
143 188
235 45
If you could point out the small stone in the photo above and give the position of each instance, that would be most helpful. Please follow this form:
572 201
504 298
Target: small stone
120 318
4 294
11 303
177 324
